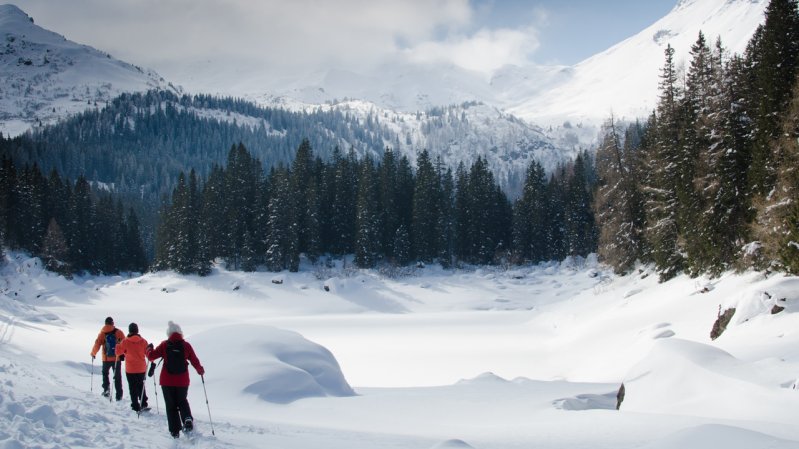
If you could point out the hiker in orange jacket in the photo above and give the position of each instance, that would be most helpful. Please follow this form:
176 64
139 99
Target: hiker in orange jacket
133 350
108 338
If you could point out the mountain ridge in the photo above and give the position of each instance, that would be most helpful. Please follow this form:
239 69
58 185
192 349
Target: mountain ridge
47 77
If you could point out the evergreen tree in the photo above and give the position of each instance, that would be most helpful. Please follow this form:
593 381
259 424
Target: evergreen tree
617 203
282 237
389 199
81 232
425 210
773 55
402 246
663 176
55 251
721 224
213 226
581 228
302 180
367 241
463 212
8 199
134 250
313 223
446 225
530 216
777 226
345 188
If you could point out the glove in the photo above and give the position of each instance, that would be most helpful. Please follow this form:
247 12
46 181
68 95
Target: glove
149 346
152 370
201 371
122 358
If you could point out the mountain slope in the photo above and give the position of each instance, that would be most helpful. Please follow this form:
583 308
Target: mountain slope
623 80
44 76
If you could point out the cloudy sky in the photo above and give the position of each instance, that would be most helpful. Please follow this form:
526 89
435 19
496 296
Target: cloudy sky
479 35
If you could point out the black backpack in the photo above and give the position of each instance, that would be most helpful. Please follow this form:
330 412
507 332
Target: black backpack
175 357
111 343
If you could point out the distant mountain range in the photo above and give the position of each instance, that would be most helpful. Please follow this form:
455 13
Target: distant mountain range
621 80
542 112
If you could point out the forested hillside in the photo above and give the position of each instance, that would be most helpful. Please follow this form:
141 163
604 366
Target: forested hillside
709 182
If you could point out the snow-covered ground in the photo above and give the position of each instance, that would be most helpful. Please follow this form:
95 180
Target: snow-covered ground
479 358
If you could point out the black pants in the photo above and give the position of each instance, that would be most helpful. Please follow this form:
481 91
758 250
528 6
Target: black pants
137 390
117 366
177 407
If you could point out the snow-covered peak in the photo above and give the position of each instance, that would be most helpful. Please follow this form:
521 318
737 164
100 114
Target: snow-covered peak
623 80
44 76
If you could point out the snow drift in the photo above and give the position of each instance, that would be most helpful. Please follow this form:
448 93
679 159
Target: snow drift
719 385
275 365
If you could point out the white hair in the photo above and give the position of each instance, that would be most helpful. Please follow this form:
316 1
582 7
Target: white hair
171 328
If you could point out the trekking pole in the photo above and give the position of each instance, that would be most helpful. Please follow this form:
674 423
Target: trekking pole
155 388
141 397
113 382
92 387
208 406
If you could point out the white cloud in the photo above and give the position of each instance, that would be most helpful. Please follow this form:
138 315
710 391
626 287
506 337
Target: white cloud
484 51
285 36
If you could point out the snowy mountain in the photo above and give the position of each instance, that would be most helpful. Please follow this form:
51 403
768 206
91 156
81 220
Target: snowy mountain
462 133
44 76
623 80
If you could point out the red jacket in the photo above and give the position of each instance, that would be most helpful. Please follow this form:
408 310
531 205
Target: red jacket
133 348
176 380
100 342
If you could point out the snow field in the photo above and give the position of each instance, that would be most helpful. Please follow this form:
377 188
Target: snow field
483 358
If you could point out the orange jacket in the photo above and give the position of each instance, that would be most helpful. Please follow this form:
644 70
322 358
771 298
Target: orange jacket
100 341
133 348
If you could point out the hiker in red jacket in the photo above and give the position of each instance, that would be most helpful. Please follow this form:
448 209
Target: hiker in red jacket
177 354
133 348
108 338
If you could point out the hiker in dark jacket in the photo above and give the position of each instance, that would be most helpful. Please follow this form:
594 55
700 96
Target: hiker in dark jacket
133 348
177 354
107 339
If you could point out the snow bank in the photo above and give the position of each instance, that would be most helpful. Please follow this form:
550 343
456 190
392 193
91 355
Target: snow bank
605 401
760 299
717 435
690 378
275 365
453 444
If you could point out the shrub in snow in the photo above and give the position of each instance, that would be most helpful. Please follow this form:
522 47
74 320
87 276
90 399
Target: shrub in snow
721 323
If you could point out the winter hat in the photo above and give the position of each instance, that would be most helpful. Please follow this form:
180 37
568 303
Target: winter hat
171 328
133 328
109 321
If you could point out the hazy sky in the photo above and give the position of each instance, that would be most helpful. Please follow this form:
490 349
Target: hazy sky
481 35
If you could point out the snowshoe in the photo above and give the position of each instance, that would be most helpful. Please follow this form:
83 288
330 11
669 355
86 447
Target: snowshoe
188 425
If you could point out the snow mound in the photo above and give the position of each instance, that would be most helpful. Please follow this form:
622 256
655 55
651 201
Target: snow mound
761 299
453 444
275 365
484 378
605 401
717 386
717 435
